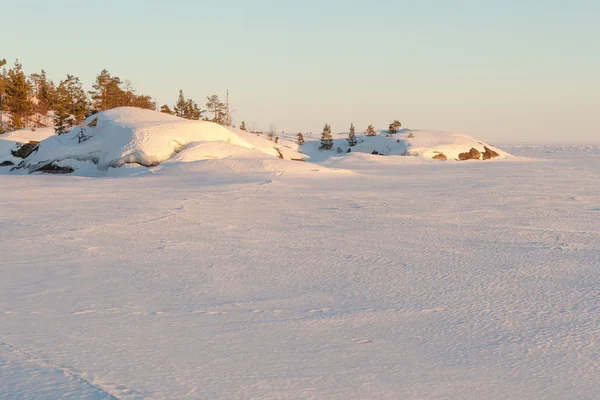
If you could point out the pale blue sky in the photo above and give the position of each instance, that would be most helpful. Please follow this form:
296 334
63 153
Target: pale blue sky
508 70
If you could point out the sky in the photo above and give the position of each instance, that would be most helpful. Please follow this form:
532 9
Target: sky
499 70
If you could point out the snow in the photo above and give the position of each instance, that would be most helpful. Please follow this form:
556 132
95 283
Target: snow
247 276
27 135
419 143
132 135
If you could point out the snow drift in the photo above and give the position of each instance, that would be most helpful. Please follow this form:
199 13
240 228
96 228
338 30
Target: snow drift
132 135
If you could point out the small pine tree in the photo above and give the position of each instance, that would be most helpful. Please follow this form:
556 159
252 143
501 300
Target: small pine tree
352 136
300 139
165 109
394 126
370 131
63 122
181 105
243 126
326 138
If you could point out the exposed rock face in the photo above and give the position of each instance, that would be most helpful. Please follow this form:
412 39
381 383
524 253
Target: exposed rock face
26 149
6 164
410 136
298 159
55 169
375 152
473 154
488 154
440 156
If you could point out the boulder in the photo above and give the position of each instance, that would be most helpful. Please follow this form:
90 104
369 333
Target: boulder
26 149
6 164
473 154
440 156
488 154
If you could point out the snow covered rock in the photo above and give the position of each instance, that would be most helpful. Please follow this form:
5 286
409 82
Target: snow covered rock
14 146
133 135
423 144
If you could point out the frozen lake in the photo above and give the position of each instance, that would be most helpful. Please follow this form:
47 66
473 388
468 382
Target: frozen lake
395 280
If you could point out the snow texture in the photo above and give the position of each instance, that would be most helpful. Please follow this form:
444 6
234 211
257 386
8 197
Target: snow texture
366 277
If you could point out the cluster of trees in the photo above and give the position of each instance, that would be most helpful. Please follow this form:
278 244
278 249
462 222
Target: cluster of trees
327 138
28 99
188 108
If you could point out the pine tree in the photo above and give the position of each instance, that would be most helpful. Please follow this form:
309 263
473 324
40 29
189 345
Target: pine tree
180 106
352 136
394 126
300 139
192 110
215 106
326 138
166 109
71 96
17 94
43 93
63 122
370 131
107 93
243 126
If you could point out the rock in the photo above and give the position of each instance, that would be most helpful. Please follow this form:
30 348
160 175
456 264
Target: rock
6 164
440 156
55 169
298 159
488 154
25 149
410 136
473 154
375 152
349 150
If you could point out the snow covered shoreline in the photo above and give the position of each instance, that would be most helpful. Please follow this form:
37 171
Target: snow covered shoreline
127 135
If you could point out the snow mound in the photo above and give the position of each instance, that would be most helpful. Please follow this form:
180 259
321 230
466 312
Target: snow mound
133 135
423 144
11 142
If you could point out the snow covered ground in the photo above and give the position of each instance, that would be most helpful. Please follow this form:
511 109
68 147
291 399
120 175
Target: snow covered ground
362 277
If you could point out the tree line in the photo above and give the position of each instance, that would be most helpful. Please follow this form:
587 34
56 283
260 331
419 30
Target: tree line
27 99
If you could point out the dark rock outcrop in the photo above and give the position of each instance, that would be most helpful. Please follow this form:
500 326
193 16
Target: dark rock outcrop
473 154
25 149
6 164
440 156
488 154
55 169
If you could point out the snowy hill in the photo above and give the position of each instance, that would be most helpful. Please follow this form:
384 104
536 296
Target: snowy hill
143 138
130 135
423 144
